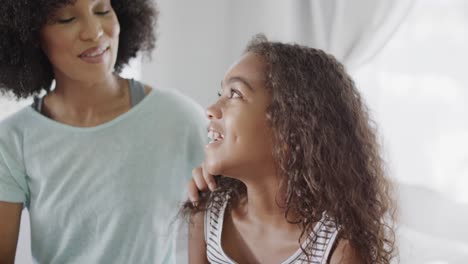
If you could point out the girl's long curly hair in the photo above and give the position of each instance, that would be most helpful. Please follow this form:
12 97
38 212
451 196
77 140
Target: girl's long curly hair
25 69
331 162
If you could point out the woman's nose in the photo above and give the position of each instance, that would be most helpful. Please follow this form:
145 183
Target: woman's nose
214 112
91 30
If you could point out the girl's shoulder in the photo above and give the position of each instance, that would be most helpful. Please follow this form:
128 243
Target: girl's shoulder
345 252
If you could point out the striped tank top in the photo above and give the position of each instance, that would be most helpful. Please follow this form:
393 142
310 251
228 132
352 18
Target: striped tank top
319 243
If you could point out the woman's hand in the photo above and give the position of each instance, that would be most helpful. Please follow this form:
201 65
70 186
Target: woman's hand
201 181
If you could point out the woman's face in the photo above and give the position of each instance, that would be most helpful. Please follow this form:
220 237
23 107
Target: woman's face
241 135
81 40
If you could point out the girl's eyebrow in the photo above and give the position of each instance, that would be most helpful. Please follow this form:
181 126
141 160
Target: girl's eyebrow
238 79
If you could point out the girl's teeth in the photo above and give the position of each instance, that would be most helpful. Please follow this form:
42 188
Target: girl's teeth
214 136
210 136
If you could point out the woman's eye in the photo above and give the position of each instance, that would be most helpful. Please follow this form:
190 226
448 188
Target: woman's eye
103 13
65 21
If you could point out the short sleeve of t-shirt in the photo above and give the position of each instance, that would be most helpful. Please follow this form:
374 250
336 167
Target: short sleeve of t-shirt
13 184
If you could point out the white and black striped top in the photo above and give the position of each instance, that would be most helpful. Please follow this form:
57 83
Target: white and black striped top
319 242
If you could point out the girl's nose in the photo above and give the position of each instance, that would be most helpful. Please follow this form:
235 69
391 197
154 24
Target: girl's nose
213 112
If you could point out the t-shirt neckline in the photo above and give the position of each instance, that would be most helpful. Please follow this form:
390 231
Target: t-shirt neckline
123 116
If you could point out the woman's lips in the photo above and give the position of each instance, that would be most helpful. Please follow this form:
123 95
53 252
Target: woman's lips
94 55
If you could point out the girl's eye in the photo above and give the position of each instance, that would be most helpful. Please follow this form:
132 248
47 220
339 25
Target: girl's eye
233 94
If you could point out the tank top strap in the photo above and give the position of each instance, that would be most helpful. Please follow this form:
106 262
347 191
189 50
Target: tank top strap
324 239
137 91
37 103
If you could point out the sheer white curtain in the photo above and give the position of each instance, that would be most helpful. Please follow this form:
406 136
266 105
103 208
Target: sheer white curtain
353 31
417 88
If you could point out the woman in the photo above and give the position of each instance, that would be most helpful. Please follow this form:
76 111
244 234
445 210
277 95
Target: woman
91 159
301 179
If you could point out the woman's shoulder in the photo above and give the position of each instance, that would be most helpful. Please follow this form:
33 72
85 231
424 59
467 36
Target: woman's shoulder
176 97
17 121
147 89
175 104
12 133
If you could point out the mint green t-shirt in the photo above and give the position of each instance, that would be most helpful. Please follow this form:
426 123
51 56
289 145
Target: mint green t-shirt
105 194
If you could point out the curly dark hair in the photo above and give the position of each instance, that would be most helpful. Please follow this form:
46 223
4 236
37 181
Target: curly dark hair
331 162
25 69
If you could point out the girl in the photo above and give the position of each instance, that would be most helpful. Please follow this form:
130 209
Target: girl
301 179
90 160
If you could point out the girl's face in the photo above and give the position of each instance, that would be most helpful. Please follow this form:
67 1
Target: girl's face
242 140
81 40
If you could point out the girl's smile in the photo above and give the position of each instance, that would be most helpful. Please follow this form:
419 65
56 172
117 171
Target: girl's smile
214 136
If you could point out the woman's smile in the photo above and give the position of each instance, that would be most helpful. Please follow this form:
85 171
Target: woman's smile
95 55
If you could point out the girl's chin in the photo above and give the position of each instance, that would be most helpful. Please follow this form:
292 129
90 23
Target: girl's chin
213 167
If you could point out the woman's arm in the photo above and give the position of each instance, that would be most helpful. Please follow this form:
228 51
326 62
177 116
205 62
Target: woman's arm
10 217
197 244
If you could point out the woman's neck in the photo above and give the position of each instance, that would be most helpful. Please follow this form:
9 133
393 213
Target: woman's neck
87 95
87 103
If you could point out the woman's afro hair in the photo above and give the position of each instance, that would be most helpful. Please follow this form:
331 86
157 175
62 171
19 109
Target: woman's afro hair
24 68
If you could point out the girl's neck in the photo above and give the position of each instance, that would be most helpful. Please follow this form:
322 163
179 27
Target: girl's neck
263 203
